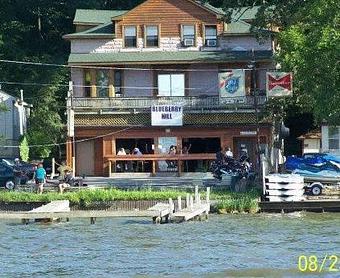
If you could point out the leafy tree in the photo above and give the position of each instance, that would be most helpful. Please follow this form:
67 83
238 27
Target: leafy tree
24 149
309 44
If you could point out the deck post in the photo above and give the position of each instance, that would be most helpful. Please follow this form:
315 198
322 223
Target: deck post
191 203
198 199
179 205
187 200
208 195
196 194
110 168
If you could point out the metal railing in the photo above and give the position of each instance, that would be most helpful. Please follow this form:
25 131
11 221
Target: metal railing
188 103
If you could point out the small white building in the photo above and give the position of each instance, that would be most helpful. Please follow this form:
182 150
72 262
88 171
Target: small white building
330 139
13 123
311 142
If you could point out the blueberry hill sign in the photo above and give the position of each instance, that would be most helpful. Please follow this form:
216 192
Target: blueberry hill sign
166 115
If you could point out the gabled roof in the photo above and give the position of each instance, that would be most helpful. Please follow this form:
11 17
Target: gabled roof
102 31
167 57
96 16
245 13
236 28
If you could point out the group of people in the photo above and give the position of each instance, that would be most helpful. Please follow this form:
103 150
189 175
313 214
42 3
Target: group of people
123 166
64 181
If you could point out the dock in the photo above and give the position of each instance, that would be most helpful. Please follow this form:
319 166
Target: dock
327 205
195 208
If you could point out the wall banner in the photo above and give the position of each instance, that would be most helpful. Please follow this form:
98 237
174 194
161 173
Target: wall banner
232 83
279 84
167 115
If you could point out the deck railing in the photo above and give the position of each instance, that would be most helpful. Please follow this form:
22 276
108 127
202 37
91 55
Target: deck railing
188 103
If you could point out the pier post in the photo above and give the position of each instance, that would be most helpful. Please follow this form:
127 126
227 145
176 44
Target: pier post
191 203
179 205
196 193
93 220
198 199
187 200
208 195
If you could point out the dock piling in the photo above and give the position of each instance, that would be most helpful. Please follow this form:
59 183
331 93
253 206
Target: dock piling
179 203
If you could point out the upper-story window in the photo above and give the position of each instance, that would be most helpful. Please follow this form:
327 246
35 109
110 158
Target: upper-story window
152 36
102 81
130 36
188 35
87 83
210 35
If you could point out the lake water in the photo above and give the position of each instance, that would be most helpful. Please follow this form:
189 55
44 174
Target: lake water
261 245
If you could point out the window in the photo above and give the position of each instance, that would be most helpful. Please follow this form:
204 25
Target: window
210 36
102 81
188 32
333 138
118 81
171 85
130 35
87 83
151 36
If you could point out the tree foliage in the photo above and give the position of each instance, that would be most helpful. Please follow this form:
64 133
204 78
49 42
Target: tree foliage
24 149
309 44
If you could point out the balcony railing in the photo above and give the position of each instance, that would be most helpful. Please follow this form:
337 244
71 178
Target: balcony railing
188 103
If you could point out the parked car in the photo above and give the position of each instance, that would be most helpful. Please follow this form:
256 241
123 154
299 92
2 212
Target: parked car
11 177
26 168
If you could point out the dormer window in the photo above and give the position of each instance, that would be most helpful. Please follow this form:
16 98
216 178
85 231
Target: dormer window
130 36
152 36
210 36
188 35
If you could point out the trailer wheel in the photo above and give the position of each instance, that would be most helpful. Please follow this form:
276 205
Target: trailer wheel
316 190
10 185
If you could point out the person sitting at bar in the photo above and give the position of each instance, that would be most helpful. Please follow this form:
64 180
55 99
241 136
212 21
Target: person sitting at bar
172 151
121 166
137 163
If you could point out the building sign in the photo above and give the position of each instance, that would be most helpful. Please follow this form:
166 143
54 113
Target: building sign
279 84
167 115
248 133
232 83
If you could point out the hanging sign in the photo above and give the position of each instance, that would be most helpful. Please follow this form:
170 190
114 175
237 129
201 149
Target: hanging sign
279 84
232 83
167 115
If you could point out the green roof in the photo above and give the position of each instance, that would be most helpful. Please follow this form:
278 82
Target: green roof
245 13
96 16
102 31
167 57
237 27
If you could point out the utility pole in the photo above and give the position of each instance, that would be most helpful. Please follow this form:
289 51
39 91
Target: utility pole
70 125
252 66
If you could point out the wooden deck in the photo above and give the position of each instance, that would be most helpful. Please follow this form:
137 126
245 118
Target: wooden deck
154 158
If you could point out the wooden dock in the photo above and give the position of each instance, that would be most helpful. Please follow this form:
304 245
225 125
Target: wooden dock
307 205
195 208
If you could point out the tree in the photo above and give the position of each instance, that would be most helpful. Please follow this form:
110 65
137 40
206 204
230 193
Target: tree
309 41
24 149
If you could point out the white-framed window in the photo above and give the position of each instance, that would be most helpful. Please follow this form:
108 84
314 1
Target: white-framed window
188 32
171 84
152 36
210 35
334 138
130 36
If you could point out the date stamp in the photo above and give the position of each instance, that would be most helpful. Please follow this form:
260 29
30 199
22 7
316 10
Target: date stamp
312 263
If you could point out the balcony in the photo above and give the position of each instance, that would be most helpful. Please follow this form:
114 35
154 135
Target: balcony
125 104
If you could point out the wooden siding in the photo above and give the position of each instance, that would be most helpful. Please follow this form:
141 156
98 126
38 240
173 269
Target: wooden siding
170 14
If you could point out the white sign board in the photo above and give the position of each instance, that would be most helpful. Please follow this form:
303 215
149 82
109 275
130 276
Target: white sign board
167 115
279 84
232 83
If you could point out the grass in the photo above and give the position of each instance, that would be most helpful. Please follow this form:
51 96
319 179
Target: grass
238 202
227 201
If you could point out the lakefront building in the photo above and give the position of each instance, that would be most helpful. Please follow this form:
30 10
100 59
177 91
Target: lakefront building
166 73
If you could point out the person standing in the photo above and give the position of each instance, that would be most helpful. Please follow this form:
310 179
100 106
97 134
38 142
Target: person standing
229 153
40 178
